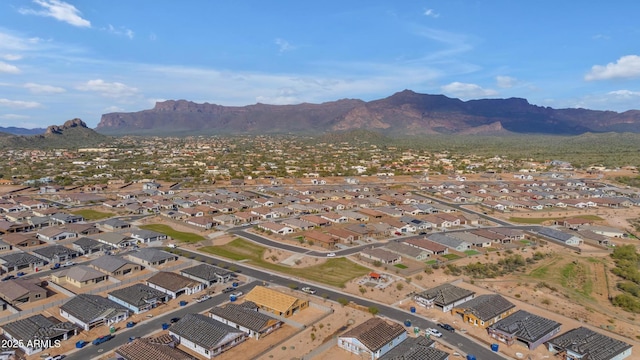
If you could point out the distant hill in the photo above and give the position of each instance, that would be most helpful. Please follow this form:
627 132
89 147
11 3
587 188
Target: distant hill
403 113
72 134
21 131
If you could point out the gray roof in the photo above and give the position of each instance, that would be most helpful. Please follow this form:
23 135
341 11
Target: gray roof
404 249
555 234
418 348
109 263
206 272
384 255
245 315
145 234
36 327
446 294
202 330
447 241
487 307
137 294
55 250
590 344
87 308
375 333
116 223
112 238
86 243
171 281
526 326
151 255
19 259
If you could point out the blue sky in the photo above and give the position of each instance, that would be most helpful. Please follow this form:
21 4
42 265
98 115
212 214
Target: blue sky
83 58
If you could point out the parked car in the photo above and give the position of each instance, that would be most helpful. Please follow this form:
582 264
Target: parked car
172 246
331 254
174 320
237 294
56 357
203 298
55 266
102 339
433 332
227 290
131 324
8 277
21 273
81 343
68 263
308 290
447 327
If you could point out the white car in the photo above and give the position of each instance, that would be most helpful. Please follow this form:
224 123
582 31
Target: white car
433 332
331 255
203 298
308 290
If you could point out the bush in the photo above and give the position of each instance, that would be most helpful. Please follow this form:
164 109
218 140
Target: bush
343 301
374 310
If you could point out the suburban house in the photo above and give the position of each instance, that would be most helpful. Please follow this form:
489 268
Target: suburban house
151 256
114 265
276 228
37 333
78 276
275 302
87 246
207 274
20 261
55 253
343 235
247 318
584 343
20 291
408 251
484 310
560 236
90 311
114 225
147 236
151 348
450 242
381 255
54 233
206 336
21 240
174 284
524 328
112 239
445 297
373 338
416 348
64 218
324 240
5 247
82 229
138 298
429 246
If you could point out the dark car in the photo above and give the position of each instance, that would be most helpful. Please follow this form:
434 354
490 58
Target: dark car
8 277
447 327
174 320
228 290
102 339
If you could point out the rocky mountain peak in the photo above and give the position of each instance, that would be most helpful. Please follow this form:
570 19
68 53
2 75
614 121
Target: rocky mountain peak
57 129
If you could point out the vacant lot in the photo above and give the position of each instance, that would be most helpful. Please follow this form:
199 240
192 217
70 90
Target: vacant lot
92 215
334 272
187 237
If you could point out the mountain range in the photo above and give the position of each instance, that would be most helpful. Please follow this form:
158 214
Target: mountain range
72 134
403 113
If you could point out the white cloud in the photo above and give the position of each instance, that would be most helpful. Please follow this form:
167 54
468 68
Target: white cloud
114 89
624 94
112 109
11 57
43 89
18 104
14 117
283 45
465 90
431 13
121 31
58 10
506 82
8 68
626 67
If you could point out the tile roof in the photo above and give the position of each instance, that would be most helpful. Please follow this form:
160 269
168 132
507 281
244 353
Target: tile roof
446 294
382 254
203 330
19 259
245 315
109 263
137 294
55 250
418 348
14 289
144 349
151 255
375 333
36 327
80 273
206 272
590 344
171 281
526 326
87 308
86 243
487 307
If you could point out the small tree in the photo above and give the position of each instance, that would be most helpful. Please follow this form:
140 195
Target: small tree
342 301
399 286
363 290
373 310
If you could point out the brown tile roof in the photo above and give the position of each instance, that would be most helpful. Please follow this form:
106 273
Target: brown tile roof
375 333
143 349
171 281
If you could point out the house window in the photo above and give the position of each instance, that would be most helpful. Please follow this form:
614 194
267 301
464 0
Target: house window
37 296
